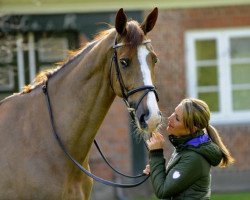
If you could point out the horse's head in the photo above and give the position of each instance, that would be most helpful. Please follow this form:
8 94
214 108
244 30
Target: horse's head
133 77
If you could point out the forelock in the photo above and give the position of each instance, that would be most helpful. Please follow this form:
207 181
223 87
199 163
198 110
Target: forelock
134 35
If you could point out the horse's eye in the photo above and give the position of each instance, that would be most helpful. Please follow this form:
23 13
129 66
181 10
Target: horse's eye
124 62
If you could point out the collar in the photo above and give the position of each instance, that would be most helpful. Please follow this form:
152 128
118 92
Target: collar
194 139
198 140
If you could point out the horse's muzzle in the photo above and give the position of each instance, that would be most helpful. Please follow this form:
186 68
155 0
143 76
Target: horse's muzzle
149 122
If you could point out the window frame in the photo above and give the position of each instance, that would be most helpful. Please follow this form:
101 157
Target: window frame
222 37
8 86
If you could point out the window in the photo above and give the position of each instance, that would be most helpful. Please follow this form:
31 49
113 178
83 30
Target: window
52 49
218 71
6 78
6 64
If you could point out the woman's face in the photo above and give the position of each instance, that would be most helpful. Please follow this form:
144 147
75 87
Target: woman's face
175 123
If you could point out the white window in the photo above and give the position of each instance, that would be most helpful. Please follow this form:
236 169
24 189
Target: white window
52 49
7 78
218 71
6 60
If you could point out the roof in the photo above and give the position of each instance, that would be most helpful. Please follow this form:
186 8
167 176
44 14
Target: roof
86 6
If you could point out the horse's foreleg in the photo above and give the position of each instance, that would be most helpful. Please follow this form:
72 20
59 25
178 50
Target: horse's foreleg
78 185
87 182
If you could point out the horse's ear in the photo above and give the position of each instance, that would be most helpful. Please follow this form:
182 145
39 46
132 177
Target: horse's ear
120 22
149 23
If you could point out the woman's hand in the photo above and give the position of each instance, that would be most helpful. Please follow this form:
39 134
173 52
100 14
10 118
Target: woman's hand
146 170
156 141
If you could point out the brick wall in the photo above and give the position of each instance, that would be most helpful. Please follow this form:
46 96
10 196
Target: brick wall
168 41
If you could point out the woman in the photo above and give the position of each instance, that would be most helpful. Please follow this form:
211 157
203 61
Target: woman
198 146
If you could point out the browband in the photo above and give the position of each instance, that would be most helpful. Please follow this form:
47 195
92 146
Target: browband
123 44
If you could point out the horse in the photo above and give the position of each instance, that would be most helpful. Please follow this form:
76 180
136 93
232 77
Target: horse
119 61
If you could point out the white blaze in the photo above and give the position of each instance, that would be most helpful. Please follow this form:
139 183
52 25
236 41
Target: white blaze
154 117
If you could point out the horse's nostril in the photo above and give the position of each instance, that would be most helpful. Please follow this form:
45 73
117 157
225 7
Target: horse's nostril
159 113
142 118
142 121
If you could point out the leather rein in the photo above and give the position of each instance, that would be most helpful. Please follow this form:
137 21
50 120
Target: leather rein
125 96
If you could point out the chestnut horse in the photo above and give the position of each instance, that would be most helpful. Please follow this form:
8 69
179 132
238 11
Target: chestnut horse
81 92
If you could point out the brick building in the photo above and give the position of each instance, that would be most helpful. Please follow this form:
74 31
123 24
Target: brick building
177 33
204 51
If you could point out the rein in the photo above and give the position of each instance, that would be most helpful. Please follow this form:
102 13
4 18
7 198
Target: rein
115 170
96 178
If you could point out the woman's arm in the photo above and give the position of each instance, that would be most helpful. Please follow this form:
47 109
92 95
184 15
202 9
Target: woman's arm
180 177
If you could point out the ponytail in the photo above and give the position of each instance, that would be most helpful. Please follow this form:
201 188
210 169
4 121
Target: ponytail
227 159
196 114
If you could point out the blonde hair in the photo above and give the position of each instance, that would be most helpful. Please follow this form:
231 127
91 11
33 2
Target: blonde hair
196 116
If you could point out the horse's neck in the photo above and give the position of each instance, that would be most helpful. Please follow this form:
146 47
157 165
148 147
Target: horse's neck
81 97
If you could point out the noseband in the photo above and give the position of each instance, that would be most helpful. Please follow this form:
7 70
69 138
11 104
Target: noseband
125 92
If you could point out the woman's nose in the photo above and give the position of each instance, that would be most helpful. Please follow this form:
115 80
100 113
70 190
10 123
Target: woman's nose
170 117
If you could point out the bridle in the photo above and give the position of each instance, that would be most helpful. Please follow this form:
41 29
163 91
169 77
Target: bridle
125 95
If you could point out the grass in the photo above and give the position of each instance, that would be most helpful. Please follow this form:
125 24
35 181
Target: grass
217 196
231 196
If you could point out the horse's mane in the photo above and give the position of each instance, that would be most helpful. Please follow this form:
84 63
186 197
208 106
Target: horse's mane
41 78
134 37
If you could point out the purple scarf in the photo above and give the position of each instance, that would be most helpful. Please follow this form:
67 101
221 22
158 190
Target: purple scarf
198 140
